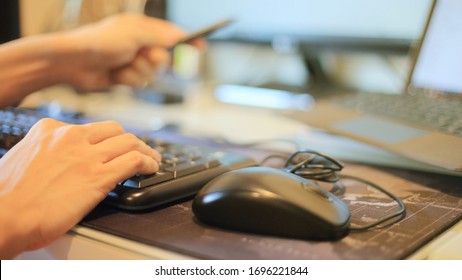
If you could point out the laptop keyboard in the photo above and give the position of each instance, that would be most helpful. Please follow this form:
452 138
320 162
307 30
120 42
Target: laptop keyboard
184 169
444 114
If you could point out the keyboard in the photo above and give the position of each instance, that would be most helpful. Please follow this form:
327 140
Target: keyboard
443 114
184 169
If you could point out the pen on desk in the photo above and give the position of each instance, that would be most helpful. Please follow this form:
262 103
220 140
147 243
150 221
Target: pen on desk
202 32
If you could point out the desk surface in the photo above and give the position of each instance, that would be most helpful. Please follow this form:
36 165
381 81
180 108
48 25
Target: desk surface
203 116
429 212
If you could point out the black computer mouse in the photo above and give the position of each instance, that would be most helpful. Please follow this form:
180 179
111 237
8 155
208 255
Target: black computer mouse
270 201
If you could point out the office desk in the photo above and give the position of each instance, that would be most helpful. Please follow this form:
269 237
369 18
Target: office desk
82 243
200 115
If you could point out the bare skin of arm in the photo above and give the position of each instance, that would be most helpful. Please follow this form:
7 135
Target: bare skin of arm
53 177
123 49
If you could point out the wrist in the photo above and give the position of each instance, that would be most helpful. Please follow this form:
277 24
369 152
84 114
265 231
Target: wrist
64 54
16 224
33 63
78 54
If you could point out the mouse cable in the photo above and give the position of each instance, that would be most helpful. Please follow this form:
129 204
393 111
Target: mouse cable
400 213
313 165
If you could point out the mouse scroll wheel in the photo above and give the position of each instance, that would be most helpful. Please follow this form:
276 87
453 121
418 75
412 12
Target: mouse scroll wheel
317 189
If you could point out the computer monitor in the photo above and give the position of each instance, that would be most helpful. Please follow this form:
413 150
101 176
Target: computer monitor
393 23
309 26
9 20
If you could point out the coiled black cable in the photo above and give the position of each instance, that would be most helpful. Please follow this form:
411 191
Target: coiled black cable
313 165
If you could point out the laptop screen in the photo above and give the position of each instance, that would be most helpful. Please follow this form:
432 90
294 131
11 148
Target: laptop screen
439 64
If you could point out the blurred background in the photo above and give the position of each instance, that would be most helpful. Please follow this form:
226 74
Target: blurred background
301 45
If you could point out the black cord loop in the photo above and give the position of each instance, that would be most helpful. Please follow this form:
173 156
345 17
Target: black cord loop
313 165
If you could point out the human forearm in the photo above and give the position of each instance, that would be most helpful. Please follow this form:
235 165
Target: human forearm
28 65
124 49
16 225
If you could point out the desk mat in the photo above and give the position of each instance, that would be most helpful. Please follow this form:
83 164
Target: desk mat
434 203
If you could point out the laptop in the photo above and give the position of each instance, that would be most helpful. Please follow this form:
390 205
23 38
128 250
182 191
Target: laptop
415 128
